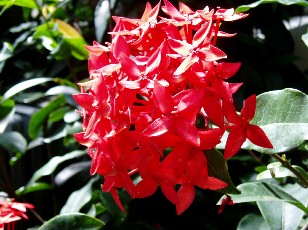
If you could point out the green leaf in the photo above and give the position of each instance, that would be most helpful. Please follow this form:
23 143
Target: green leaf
76 46
37 186
6 52
13 142
280 172
24 85
6 107
305 38
259 191
58 114
217 168
281 215
79 198
252 221
37 119
50 167
283 115
244 8
22 3
73 221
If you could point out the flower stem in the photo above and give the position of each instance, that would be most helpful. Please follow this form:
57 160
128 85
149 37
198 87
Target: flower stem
287 165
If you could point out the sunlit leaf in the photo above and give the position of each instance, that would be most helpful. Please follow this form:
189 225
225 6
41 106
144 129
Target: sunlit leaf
6 51
78 198
67 30
101 17
281 215
37 186
25 85
6 107
23 3
244 8
252 221
305 38
73 221
260 191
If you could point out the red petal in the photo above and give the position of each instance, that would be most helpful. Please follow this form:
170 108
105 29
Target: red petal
213 53
185 8
227 70
154 12
129 67
234 87
185 197
159 61
213 108
249 108
128 183
258 137
146 12
85 100
163 98
236 138
210 138
188 62
230 112
146 187
180 47
202 33
158 127
173 12
225 201
169 192
196 165
212 183
119 45
116 198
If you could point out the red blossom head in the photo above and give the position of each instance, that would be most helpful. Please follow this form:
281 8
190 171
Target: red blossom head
158 97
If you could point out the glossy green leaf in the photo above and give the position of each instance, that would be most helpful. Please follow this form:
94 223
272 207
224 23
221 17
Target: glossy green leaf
218 168
280 172
22 3
281 215
78 198
259 191
6 107
102 15
283 116
6 52
13 142
37 186
73 221
305 38
58 114
50 167
37 119
252 221
76 46
25 85
244 8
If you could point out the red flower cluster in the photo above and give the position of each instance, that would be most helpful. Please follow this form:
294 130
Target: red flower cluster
11 211
157 97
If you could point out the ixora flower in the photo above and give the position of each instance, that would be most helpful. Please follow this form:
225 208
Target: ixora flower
157 98
11 211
